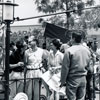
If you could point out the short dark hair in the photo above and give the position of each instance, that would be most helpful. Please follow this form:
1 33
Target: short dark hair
77 34
19 44
44 45
56 43
36 40
26 37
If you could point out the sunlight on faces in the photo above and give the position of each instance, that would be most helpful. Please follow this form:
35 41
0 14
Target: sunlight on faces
52 46
30 41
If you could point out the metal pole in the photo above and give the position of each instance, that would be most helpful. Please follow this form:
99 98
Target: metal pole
7 60
67 14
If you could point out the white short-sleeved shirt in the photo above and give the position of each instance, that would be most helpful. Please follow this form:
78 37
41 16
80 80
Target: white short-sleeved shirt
33 60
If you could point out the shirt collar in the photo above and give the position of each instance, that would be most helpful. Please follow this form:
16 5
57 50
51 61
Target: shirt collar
57 53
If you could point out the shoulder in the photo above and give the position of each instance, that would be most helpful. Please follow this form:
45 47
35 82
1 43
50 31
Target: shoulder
60 53
64 46
70 49
45 51
86 48
27 52
76 48
40 49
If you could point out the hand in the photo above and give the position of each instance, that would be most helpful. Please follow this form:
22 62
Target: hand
52 70
61 85
57 70
20 64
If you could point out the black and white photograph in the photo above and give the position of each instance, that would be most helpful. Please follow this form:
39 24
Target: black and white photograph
49 49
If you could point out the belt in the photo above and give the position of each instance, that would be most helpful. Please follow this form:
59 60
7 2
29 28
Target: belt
35 68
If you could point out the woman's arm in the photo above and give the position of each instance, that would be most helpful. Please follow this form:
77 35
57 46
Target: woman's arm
17 65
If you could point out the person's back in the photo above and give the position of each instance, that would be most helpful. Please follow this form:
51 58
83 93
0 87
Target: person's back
80 56
74 68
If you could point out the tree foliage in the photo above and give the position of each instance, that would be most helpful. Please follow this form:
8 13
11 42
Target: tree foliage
77 7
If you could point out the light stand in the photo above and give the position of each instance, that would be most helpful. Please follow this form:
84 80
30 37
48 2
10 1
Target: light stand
7 18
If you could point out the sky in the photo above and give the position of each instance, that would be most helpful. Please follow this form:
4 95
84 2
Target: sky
26 9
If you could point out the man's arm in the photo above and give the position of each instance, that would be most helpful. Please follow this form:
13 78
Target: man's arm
65 67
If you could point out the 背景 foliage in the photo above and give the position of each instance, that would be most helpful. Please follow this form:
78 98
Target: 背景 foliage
54 6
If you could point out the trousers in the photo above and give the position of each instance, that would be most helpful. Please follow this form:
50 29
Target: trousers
76 88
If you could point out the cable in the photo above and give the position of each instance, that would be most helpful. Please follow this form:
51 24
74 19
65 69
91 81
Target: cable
18 19
42 16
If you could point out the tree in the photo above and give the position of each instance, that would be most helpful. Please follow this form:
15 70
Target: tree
68 19
92 17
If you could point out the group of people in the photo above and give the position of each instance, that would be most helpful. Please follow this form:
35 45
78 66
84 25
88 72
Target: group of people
63 68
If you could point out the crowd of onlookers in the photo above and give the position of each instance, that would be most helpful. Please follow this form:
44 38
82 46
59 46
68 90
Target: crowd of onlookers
66 69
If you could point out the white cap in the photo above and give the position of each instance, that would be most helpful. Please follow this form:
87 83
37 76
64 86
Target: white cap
21 96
